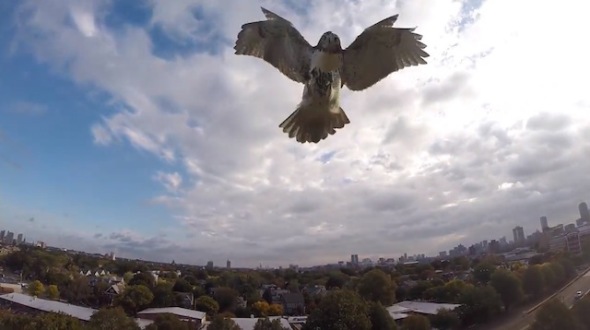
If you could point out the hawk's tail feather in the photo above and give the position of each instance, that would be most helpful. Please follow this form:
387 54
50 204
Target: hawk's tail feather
307 124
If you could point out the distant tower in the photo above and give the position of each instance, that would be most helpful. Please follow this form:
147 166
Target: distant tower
584 213
544 223
228 264
518 233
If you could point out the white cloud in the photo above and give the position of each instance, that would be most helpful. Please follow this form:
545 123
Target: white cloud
171 181
451 133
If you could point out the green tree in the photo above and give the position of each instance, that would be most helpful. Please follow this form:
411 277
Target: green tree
416 322
143 278
554 315
340 310
568 267
181 285
163 295
167 321
445 319
375 285
418 291
134 298
52 292
478 304
336 280
111 318
266 324
221 323
532 281
207 304
36 288
483 272
549 276
53 321
226 298
127 277
581 311
380 317
77 291
508 287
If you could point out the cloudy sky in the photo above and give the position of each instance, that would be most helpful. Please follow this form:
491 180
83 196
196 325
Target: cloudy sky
131 127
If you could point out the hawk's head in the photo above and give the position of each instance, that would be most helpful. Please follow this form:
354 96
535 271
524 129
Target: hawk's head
329 42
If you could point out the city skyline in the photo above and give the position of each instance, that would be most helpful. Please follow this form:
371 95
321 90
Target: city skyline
459 249
134 128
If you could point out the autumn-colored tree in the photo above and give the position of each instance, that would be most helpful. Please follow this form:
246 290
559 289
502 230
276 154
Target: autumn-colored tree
275 310
53 292
36 288
260 308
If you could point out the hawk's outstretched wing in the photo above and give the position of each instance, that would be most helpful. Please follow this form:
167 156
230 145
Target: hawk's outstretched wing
378 51
277 42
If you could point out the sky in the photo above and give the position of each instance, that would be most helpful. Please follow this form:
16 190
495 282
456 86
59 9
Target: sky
131 126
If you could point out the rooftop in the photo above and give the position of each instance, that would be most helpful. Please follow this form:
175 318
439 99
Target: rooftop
421 307
178 311
81 313
248 323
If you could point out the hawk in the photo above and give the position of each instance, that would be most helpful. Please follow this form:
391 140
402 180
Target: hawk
325 68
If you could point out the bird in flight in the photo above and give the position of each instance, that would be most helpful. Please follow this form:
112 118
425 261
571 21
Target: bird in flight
325 68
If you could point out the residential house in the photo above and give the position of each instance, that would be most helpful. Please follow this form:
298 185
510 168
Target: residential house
293 303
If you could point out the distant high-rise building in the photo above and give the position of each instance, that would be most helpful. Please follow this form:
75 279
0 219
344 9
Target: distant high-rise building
209 264
544 223
518 233
354 259
569 228
2 234
228 264
9 238
584 212
19 239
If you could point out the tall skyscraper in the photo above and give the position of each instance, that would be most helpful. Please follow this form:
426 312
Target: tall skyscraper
544 223
354 259
228 264
584 212
19 239
518 233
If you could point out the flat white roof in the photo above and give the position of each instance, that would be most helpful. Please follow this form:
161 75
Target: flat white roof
249 323
79 312
178 311
423 307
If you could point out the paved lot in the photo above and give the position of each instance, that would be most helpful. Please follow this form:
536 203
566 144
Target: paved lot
567 296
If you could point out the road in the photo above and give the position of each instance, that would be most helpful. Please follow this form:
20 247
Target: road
567 296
